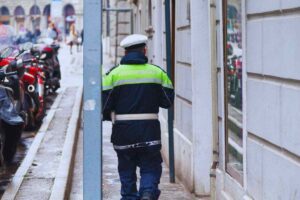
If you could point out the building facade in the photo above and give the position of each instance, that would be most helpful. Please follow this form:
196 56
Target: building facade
117 24
237 83
33 14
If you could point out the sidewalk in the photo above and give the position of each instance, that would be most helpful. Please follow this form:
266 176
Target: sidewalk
111 185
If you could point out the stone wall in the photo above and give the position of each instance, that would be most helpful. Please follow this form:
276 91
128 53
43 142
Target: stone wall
272 88
273 99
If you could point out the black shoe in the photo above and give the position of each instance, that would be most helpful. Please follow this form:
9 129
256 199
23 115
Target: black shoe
147 196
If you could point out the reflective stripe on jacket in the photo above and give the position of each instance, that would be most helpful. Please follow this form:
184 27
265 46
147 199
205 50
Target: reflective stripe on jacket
136 74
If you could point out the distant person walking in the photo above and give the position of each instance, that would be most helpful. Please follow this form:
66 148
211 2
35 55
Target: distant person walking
80 40
82 34
72 38
51 31
36 34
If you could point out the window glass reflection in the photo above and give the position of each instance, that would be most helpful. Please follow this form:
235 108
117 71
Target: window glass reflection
234 148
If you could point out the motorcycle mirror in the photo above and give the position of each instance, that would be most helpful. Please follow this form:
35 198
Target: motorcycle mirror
16 64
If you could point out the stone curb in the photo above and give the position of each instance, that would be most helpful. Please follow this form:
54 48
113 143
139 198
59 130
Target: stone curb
13 188
61 186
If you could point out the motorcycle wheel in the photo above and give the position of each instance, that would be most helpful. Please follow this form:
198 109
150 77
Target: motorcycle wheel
29 105
10 141
57 73
39 119
56 85
31 124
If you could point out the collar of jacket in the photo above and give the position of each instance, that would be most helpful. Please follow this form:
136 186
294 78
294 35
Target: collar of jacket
134 57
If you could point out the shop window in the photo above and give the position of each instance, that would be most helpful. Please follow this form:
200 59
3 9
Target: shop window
233 59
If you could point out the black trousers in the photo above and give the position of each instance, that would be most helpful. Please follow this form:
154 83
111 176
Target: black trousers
149 161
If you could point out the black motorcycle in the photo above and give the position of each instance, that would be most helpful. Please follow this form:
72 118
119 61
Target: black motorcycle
13 117
11 122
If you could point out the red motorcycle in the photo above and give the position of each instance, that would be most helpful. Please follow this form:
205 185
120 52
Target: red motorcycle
34 81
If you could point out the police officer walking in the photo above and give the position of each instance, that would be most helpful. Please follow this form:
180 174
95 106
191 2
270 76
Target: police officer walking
132 94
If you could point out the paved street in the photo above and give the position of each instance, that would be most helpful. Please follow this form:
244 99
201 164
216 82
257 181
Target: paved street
72 70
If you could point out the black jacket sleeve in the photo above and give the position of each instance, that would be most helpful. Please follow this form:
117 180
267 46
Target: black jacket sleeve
167 97
106 105
167 92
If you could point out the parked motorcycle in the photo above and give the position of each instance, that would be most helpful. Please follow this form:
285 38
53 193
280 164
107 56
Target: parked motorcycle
34 80
27 74
49 50
12 117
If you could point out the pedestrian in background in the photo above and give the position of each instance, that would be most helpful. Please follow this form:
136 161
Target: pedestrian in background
28 35
80 40
36 34
51 31
72 38
132 94
82 35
